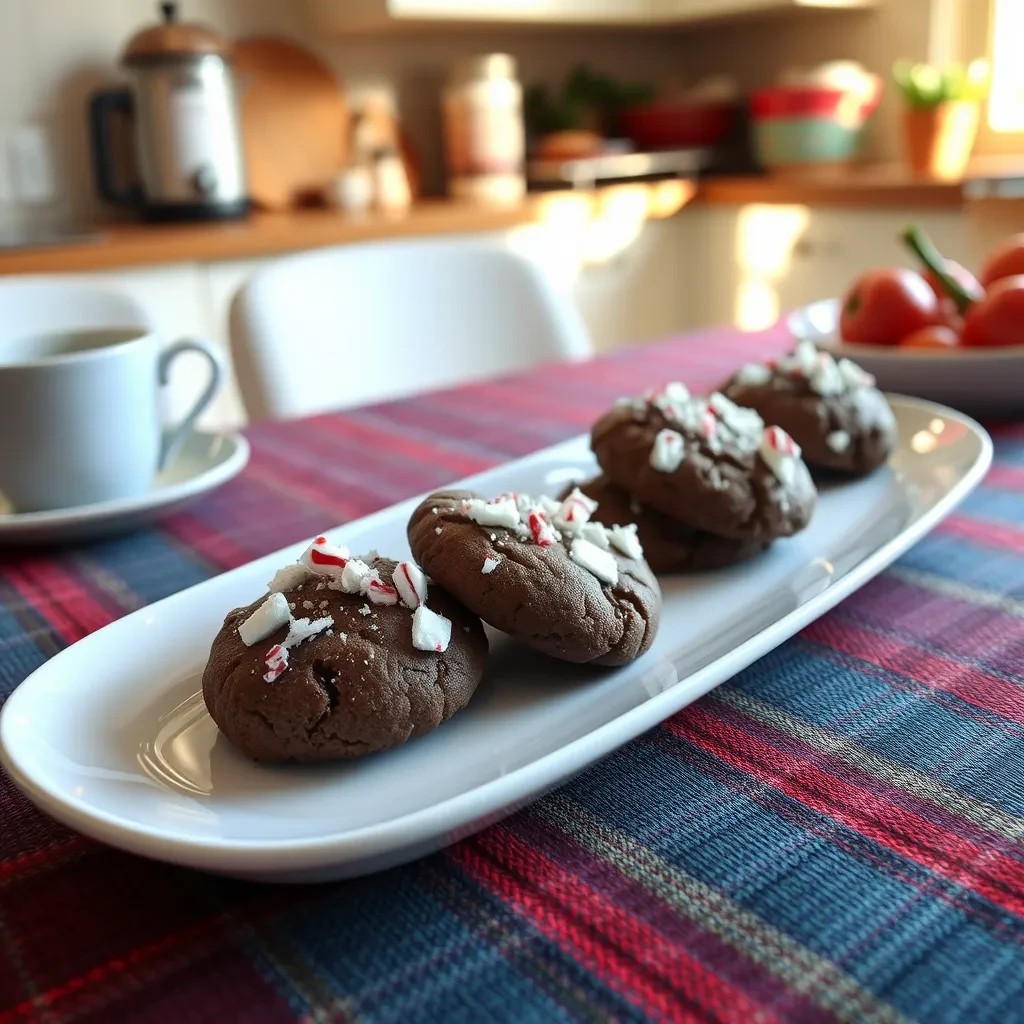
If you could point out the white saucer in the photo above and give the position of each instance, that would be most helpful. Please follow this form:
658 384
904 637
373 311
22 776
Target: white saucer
204 462
984 381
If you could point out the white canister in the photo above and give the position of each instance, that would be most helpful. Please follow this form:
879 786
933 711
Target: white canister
484 133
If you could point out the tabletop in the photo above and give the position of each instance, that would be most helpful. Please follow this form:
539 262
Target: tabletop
837 834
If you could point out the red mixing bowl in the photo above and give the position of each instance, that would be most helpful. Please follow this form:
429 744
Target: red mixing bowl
672 125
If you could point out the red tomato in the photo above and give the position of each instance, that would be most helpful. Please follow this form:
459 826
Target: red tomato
999 318
936 336
886 305
947 304
1006 260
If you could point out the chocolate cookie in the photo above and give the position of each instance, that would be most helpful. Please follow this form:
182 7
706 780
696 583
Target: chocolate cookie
342 658
669 546
831 409
706 463
542 572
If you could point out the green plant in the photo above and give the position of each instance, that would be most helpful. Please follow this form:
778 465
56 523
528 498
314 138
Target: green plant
587 99
925 85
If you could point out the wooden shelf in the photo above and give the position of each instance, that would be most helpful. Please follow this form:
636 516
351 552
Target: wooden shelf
271 234
876 186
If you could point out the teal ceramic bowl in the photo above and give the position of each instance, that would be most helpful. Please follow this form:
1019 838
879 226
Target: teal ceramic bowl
782 141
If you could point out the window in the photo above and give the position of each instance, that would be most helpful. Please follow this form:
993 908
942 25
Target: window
995 28
1006 104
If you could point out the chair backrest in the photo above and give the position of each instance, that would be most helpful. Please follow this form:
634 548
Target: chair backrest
33 305
360 323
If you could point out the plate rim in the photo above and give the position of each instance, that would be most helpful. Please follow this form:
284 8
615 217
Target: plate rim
464 813
889 353
12 523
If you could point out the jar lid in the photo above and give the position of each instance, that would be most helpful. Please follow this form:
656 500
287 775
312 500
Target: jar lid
173 38
487 65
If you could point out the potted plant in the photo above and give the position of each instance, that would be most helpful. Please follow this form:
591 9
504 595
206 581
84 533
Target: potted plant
940 119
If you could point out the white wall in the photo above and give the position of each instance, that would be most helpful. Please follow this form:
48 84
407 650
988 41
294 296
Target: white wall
53 53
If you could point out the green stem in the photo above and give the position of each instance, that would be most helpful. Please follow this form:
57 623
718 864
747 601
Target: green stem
923 248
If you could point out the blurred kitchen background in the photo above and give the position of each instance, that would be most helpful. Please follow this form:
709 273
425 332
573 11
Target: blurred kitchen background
688 161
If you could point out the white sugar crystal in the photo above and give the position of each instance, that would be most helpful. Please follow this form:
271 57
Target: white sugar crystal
288 578
753 375
491 562
365 610
668 452
308 605
625 539
601 563
410 583
269 617
838 440
596 534
430 631
303 629
437 530
500 512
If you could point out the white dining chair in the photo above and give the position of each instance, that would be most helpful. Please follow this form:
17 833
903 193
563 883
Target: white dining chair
40 304
360 323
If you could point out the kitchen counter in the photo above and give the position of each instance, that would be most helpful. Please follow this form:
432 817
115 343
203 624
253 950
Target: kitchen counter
269 234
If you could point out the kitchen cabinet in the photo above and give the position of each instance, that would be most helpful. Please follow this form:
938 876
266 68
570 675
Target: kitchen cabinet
381 15
759 260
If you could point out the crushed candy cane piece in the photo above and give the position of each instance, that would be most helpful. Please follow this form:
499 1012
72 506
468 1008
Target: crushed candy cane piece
365 610
854 376
781 453
575 511
410 583
826 379
276 662
596 534
540 529
499 512
491 562
601 563
353 577
288 578
753 375
668 451
378 591
268 618
430 631
838 441
325 558
625 539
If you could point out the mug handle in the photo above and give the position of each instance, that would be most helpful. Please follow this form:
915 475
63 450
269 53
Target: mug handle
173 437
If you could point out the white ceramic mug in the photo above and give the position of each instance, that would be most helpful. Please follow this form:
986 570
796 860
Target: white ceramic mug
80 406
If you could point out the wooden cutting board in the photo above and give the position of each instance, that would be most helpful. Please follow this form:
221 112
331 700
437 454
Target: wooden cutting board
294 121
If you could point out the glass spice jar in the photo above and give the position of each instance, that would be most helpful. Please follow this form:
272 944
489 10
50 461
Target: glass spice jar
484 133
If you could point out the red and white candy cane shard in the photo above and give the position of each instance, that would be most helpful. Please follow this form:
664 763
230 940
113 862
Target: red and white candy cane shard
410 583
540 529
576 508
326 558
276 662
779 441
709 424
380 592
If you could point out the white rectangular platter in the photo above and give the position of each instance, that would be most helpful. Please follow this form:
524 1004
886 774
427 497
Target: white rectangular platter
111 736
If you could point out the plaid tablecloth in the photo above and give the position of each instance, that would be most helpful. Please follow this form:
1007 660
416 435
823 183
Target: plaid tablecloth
836 834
